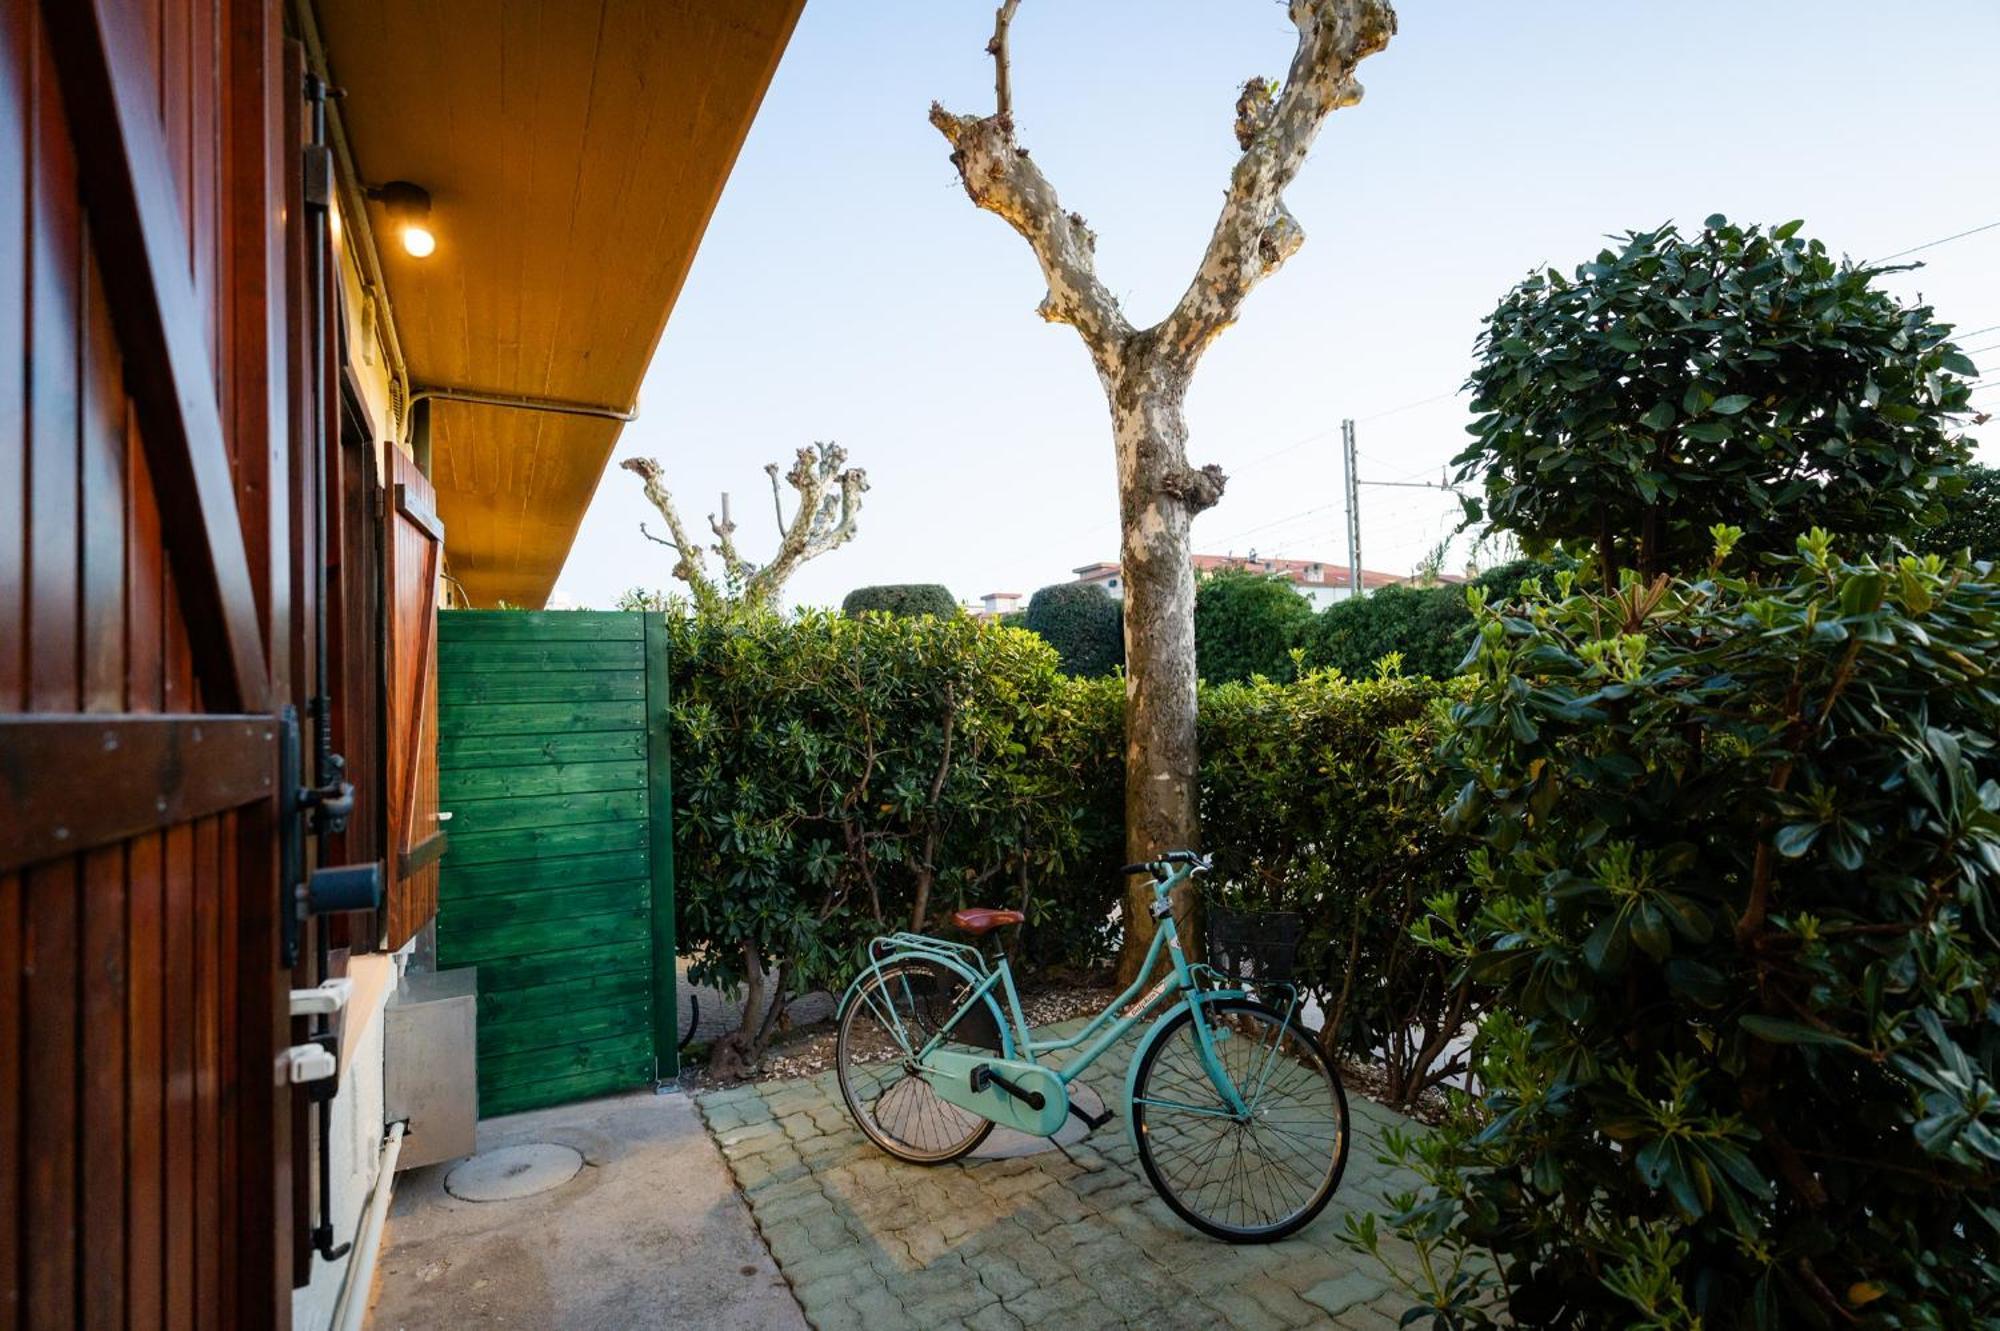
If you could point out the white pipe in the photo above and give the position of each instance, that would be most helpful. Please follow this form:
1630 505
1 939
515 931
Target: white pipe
353 1305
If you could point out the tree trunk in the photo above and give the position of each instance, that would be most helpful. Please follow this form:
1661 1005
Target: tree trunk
1159 498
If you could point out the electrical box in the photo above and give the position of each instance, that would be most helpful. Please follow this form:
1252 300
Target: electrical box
431 1078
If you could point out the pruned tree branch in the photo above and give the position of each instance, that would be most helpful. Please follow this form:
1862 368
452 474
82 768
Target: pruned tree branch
1275 127
691 568
829 505
1003 92
1000 177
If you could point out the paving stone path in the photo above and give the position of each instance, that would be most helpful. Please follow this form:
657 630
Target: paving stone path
1073 1237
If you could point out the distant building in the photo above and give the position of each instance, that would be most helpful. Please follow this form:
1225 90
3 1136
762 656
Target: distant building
995 604
1318 580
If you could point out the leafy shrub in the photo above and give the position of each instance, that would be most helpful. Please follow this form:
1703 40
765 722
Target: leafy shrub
1736 926
1971 517
1428 628
1083 623
1321 797
1246 624
837 778
1737 375
901 598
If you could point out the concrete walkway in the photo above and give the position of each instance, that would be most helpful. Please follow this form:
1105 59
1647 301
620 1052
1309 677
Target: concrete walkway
1073 1237
650 1232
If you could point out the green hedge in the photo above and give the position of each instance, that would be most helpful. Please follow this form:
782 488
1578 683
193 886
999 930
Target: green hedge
1321 797
809 810
902 598
830 772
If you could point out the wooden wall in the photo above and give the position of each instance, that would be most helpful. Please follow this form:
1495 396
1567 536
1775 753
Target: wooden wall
143 1144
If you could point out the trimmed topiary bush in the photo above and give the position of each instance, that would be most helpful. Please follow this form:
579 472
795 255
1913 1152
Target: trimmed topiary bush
1246 624
1083 623
901 598
1736 918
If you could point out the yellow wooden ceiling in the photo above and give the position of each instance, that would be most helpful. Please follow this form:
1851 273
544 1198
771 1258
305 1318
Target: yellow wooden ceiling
574 150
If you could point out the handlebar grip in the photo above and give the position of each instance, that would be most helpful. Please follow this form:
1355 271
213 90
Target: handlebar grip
1131 869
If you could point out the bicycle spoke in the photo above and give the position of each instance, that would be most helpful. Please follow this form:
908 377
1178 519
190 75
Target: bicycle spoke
1251 1174
895 1014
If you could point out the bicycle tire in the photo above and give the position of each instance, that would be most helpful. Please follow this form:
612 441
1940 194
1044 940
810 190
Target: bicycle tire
1151 1066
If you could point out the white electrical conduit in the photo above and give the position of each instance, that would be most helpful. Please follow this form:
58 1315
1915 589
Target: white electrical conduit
353 1305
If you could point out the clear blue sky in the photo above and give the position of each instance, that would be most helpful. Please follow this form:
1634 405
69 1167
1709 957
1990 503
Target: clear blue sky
848 290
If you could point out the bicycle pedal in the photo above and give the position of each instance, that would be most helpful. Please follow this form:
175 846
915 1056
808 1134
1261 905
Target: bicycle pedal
1091 1121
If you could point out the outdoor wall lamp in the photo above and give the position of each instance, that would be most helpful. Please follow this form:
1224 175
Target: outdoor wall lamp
409 209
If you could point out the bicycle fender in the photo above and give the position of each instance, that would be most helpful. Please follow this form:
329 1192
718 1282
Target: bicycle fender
1154 1033
877 965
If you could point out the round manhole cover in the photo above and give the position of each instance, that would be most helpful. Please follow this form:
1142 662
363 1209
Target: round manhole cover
513 1171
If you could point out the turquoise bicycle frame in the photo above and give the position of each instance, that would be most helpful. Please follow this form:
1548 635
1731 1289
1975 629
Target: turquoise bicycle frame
1176 990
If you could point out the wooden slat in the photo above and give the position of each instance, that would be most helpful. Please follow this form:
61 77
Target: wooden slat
550 779
475 656
637 1070
540 626
70 783
16 126
550 967
591 686
540 718
142 242
207 980
490 943
628 988
469 848
145 1081
51 1044
472 752
549 905
660 845
466 882
501 1037
580 1056
470 817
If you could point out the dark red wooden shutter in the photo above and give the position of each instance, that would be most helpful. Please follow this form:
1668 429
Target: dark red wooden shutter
415 547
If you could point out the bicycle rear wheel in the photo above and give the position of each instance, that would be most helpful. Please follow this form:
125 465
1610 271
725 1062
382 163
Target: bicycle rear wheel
1246 1178
891 1017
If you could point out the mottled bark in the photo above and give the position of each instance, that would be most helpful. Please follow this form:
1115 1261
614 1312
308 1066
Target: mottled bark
1145 373
829 504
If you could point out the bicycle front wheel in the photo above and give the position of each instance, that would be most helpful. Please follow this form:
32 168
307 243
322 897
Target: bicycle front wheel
1250 1177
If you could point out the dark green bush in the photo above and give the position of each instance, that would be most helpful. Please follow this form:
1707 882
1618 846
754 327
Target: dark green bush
1429 629
1970 518
1321 797
1083 623
1246 624
837 778
1735 923
1736 375
901 598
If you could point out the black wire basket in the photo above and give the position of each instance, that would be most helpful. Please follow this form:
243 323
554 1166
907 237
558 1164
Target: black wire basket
1254 946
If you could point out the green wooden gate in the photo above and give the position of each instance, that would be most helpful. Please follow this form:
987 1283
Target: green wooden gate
558 884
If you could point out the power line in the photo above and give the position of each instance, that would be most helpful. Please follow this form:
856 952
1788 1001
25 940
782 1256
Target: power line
1941 240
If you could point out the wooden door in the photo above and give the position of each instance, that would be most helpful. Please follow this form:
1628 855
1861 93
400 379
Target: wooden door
414 545
146 604
559 884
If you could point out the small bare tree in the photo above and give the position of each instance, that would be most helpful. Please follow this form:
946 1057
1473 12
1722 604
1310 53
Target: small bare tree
829 503
1146 371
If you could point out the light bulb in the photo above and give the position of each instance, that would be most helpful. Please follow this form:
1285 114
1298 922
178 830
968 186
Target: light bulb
418 242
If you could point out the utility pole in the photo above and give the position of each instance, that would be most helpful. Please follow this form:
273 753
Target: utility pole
1353 509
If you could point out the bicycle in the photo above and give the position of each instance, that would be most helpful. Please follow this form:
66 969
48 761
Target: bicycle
1238 1118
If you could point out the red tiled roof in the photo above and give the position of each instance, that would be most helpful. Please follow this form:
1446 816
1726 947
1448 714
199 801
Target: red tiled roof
1296 571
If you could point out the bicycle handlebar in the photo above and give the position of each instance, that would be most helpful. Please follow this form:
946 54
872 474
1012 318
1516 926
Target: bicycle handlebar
1171 857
